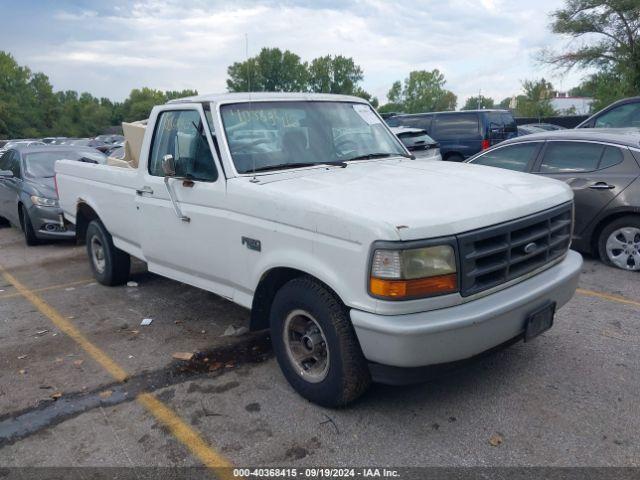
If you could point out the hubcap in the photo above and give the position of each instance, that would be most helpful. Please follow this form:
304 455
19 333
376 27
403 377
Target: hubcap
97 254
623 248
306 346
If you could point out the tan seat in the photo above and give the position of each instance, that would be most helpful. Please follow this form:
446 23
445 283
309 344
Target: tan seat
118 162
134 135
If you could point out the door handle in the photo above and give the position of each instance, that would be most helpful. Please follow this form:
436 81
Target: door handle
601 186
143 190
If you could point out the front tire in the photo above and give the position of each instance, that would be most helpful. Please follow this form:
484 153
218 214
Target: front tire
315 344
27 228
619 243
109 264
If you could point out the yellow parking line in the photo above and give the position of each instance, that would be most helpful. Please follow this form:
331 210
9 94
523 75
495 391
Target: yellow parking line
46 289
185 434
607 296
180 430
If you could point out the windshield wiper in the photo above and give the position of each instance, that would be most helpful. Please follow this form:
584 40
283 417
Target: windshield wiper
370 156
282 166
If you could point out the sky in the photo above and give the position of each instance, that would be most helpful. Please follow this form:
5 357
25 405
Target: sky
108 48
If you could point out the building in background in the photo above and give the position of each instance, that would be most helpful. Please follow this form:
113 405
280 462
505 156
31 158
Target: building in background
565 104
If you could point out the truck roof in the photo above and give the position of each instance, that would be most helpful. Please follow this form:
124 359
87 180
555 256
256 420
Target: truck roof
266 97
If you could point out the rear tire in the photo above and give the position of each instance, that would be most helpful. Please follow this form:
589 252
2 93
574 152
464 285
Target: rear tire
619 243
27 228
315 344
455 157
109 264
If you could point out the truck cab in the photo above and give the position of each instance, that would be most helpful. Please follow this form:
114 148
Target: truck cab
364 262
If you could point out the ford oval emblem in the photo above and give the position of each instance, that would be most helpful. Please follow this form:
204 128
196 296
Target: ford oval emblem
530 247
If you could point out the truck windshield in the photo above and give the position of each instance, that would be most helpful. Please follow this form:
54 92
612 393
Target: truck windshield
278 135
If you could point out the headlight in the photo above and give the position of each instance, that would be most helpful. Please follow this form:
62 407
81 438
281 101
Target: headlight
413 273
44 202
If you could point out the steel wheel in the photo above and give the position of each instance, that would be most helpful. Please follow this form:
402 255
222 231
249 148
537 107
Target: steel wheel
623 248
97 254
306 346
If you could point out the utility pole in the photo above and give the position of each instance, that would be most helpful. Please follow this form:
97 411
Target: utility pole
479 99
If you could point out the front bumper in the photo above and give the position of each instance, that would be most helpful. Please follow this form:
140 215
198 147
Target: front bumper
463 331
49 223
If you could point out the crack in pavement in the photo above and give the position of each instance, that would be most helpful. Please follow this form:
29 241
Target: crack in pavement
15 426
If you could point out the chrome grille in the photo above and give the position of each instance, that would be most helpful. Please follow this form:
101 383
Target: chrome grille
494 255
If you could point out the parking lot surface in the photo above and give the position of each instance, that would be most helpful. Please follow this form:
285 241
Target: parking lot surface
82 383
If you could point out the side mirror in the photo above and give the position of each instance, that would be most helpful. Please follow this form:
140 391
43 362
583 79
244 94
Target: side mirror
169 166
6 174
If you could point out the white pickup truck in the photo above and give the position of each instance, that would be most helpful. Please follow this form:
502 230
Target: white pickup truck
365 263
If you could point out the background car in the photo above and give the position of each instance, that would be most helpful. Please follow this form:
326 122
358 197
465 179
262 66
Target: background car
53 140
110 138
528 130
87 142
624 113
461 134
21 143
543 126
603 169
27 192
418 142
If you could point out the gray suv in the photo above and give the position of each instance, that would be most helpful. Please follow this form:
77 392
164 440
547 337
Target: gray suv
602 166
27 189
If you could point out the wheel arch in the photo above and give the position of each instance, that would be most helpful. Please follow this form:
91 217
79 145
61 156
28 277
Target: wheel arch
453 153
603 222
85 214
270 282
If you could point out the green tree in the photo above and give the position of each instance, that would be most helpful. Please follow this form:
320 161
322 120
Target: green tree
477 102
30 108
334 74
505 102
604 87
272 70
140 102
609 31
17 106
422 91
536 101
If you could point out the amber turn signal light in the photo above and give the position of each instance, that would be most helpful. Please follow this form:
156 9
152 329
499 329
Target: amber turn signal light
415 288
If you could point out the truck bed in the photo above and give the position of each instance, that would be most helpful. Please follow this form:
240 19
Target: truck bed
110 191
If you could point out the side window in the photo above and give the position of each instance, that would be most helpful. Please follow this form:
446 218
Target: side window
458 124
422 121
611 156
571 157
512 157
509 122
14 163
623 116
4 160
181 133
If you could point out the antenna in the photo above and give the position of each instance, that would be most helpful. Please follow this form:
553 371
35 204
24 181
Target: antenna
246 53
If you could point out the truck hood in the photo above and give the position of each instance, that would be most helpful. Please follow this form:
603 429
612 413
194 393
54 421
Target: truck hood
412 199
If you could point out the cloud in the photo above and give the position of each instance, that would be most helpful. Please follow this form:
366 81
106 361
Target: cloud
109 48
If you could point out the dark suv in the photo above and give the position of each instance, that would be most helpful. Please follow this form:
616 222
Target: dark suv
461 134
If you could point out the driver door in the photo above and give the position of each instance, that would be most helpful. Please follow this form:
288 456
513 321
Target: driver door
192 249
